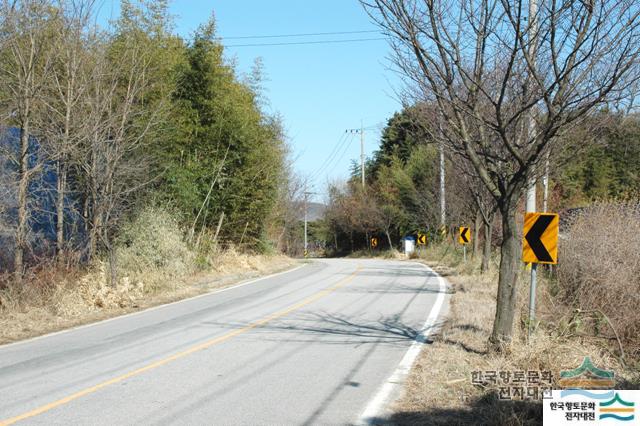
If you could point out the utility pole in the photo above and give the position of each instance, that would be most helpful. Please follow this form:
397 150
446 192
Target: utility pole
443 217
361 131
545 183
306 195
532 52
305 224
545 189
443 205
362 151
531 191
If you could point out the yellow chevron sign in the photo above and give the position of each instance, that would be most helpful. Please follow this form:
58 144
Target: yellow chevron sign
464 237
540 238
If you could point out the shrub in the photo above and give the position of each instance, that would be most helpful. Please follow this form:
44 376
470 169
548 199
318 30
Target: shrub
151 249
599 270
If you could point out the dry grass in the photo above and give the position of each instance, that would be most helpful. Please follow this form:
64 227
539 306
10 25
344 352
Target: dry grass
383 254
152 254
599 273
58 300
439 390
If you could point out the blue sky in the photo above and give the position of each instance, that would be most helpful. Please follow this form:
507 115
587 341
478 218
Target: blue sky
319 89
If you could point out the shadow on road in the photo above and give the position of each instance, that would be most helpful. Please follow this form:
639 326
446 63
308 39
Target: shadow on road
396 289
396 271
308 327
487 410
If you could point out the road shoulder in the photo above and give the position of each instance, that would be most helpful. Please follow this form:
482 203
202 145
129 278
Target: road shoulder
381 406
28 324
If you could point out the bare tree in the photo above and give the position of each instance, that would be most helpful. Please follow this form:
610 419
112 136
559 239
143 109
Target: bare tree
118 123
8 186
24 72
485 207
63 124
490 68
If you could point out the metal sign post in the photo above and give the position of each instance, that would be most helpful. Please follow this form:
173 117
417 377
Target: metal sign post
532 297
464 238
539 245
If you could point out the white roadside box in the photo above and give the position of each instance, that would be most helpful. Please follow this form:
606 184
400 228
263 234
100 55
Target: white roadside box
409 244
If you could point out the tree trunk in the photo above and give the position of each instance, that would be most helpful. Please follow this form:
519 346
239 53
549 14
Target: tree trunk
246 225
62 167
486 249
113 269
506 299
96 229
23 193
215 237
61 189
85 213
389 239
476 231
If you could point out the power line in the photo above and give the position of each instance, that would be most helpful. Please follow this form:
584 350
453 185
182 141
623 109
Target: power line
329 159
346 142
333 159
298 35
353 40
344 152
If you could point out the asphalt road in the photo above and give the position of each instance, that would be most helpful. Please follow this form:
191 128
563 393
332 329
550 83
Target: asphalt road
310 346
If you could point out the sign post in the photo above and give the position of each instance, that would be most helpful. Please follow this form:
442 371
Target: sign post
421 242
464 238
539 245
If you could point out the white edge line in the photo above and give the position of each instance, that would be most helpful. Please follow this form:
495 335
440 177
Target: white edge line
375 409
152 308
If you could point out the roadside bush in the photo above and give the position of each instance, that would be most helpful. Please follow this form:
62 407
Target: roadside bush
599 271
151 250
151 255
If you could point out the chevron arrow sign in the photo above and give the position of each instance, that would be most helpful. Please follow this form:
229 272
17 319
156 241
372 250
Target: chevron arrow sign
465 235
540 242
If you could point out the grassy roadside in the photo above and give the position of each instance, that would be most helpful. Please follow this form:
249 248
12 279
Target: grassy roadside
83 299
439 390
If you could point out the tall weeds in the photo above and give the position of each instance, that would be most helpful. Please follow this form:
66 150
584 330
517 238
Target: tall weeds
599 271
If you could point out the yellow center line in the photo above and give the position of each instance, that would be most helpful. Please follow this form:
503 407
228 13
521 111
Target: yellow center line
200 347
